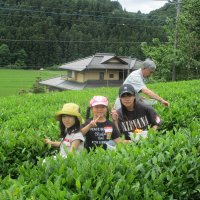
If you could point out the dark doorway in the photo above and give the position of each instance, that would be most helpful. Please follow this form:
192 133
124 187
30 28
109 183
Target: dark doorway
123 75
101 76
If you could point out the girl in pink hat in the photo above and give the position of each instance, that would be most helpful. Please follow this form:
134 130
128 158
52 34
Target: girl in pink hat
98 130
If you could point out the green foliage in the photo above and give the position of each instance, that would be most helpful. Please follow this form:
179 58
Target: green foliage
182 47
12 60
21 59
4 55
50 33
164 166
158 168
18 150
55 32
37 87
163 54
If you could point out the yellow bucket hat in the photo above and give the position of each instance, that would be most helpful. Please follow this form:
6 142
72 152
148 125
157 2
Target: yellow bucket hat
70 109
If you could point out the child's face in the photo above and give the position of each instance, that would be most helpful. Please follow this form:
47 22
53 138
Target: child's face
99 110
68 120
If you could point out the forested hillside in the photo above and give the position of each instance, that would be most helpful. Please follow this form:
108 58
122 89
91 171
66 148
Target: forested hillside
39 33
36 34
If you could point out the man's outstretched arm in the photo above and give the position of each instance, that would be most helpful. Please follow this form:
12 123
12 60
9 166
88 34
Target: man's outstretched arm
153 95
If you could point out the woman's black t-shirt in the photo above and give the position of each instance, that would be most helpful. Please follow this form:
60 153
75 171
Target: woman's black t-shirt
141 117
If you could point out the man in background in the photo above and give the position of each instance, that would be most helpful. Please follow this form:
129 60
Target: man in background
136 79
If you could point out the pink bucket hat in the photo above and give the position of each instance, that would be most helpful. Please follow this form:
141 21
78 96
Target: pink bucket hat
98 100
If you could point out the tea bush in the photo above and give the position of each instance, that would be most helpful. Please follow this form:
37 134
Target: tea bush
164 166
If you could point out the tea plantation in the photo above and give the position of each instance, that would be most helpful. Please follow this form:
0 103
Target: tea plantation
164 166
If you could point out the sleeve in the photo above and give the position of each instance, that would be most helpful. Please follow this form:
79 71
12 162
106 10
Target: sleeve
78 136
115 133
117 104
153 118
136 81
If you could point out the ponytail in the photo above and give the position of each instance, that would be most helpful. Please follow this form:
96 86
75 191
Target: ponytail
88 113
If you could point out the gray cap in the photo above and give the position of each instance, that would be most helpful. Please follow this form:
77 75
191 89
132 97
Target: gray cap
148 63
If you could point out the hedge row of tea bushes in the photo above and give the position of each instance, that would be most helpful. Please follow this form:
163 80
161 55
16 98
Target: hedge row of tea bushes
165 166
158 168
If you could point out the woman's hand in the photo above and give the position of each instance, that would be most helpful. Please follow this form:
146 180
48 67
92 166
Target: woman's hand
114 115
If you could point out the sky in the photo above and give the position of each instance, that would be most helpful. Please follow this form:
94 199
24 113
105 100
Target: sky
145 6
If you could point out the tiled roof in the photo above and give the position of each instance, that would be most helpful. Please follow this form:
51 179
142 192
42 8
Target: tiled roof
101 61
63 84
77 65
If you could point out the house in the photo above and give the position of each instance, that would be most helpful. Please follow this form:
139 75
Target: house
99 70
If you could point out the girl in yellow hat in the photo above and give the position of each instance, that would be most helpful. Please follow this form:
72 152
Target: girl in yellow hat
70 120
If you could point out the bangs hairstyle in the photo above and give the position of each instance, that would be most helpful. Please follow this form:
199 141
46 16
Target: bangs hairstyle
88 113
75 128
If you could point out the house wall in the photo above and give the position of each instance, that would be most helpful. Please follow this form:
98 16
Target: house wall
114 61
91 75
79 77
95 75
115 75
84 76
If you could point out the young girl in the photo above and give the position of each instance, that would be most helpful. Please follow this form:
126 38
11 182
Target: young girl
70 120
133 116
99 129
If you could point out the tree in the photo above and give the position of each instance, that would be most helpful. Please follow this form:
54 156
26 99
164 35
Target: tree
182 48
162 54
192 26
21 58
56 31
5 55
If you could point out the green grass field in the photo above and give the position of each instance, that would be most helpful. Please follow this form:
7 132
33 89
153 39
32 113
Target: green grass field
12 81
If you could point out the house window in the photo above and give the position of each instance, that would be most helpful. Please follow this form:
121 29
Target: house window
111 75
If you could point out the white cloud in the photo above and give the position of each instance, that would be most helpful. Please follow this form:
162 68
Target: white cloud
145 6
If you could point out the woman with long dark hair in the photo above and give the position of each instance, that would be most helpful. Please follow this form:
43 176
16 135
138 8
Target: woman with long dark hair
133 116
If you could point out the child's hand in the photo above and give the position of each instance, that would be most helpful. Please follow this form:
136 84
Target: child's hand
93 124
47 141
